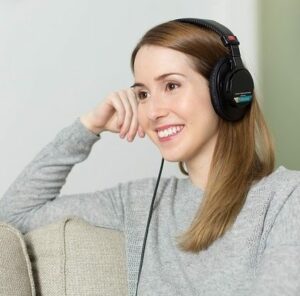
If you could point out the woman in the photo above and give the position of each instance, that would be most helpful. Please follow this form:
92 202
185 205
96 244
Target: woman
232 226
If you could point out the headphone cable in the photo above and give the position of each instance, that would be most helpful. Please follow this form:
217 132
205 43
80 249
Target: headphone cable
147 227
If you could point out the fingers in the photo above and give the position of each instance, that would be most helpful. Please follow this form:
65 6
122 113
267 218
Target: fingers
141 132
129 113
128 118
120 109
116 114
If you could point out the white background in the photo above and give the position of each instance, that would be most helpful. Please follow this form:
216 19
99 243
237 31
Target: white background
59 58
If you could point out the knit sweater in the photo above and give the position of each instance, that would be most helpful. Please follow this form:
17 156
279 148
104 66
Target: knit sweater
259 255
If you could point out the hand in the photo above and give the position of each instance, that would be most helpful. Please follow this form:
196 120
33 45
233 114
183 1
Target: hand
117 114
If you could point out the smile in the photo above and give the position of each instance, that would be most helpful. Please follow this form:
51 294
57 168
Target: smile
169 131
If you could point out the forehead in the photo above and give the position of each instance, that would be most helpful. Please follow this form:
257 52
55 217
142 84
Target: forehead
157 60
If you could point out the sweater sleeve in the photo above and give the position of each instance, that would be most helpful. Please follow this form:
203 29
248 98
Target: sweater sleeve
279 270
34 200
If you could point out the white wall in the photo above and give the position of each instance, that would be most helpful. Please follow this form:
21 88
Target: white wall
58 58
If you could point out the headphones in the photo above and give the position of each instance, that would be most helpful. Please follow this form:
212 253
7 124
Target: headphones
231 84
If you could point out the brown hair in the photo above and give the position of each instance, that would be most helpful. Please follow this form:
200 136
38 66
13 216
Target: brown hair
243 153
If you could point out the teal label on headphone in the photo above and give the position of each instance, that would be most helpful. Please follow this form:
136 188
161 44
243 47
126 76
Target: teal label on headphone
243 99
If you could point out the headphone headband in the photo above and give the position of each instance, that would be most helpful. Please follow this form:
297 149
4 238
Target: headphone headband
221 30
227 37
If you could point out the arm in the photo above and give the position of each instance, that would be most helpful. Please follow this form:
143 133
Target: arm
33 199
279 269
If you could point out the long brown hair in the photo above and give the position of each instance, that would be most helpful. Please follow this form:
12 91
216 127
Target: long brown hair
244 150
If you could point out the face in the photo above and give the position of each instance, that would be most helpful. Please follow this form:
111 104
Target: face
174 108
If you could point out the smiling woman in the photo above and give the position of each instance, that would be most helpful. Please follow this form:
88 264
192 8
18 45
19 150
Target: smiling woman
177 47
232 226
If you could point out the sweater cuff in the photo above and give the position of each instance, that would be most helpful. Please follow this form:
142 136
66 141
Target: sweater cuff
76 137
83 131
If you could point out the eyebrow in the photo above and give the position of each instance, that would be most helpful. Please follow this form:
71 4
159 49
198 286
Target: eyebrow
161 77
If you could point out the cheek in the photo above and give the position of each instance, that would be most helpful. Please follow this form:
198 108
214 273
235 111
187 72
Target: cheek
200 112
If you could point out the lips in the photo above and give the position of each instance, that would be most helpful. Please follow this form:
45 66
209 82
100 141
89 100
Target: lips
166 132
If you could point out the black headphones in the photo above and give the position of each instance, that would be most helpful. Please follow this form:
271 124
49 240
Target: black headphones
231 84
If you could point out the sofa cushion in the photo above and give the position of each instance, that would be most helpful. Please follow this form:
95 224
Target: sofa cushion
72 257
15 268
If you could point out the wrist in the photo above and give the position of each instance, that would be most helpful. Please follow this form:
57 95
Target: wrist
87 121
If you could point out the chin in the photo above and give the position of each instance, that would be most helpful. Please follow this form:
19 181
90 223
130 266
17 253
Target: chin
171 157
171 154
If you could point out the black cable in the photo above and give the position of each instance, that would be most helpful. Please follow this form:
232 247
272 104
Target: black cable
147 227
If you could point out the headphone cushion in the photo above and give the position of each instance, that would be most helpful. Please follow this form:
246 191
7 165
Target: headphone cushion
217 77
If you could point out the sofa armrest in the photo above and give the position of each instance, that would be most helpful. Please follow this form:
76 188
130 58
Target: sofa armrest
72 257
15 268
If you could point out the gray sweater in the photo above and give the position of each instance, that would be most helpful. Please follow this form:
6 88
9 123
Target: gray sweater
259 255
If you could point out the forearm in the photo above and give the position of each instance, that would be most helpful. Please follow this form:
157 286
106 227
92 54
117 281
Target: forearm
41 181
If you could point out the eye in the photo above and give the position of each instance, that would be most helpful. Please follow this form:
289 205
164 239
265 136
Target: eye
142 95
171 85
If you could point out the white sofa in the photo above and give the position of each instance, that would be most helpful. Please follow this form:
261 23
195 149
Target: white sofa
70 257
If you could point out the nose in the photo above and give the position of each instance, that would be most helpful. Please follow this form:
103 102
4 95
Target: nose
156 109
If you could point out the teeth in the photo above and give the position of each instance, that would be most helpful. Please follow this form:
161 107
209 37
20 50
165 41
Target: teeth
169 131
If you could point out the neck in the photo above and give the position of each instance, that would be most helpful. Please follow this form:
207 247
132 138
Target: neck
198 174
198 168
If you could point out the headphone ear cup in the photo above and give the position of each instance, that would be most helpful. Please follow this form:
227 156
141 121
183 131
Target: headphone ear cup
224 84
216 84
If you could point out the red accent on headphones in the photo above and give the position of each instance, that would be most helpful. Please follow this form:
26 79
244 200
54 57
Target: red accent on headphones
231 38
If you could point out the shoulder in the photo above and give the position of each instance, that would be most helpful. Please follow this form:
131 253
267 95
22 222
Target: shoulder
280 179
278 187
282 220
